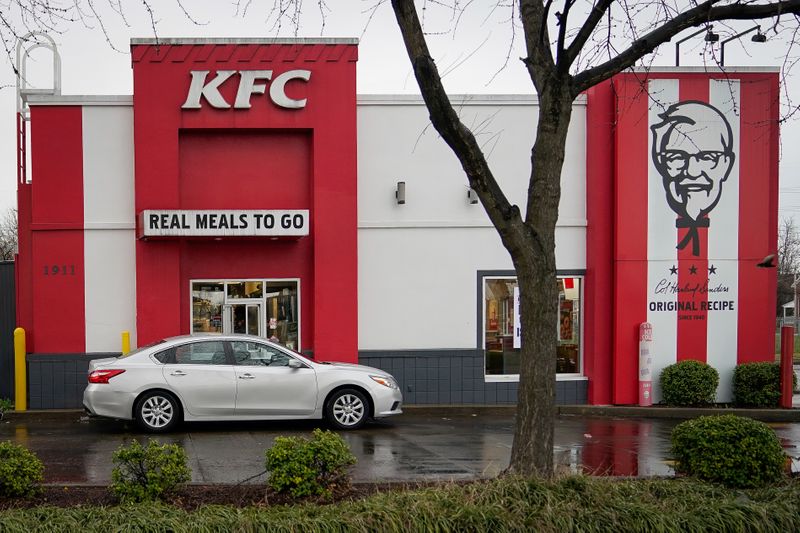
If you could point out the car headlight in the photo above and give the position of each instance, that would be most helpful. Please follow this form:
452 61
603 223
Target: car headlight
386 381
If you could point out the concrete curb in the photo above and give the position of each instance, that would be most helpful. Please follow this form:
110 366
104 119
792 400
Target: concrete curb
621 411
765 415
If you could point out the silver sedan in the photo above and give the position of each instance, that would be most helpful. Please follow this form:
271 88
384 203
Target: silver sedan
234 377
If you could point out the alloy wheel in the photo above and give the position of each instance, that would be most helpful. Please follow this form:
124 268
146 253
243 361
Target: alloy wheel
157 411
348 409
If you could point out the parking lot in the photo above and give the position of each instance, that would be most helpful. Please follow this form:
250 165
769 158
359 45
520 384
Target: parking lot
422 444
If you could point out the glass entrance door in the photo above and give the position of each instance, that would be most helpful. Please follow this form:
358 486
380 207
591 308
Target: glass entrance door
244 318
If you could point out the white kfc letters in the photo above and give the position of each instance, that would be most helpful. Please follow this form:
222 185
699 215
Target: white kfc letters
250 82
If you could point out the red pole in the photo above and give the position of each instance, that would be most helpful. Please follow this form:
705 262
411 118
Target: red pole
787 351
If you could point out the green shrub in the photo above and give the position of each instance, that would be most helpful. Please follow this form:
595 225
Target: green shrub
5 405
758 384
312 467
689 383
736 451
143 473
21 471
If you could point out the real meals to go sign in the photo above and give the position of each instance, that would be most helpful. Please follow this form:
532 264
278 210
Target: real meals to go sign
223 223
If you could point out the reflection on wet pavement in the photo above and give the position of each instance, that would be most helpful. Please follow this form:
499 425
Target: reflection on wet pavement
417 446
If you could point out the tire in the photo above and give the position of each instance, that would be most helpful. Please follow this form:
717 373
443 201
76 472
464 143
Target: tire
157 412
347 409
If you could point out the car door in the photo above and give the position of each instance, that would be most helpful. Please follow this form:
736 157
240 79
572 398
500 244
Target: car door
202 375
268 386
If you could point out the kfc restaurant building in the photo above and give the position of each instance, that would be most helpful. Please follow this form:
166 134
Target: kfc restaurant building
246 187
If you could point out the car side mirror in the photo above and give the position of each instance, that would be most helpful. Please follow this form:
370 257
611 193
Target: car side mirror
294 363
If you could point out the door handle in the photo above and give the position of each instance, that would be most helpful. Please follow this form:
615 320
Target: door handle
178 373
247 376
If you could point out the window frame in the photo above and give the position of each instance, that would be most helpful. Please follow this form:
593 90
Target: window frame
484 275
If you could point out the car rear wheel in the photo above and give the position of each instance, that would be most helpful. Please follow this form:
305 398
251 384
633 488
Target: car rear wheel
157 412
347 409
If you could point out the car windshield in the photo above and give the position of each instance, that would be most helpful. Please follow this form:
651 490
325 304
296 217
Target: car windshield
140 348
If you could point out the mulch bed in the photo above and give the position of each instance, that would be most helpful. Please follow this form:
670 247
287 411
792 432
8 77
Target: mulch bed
191 497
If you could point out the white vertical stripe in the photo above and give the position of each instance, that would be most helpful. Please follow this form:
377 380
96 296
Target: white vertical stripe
662 237
723 249
108 204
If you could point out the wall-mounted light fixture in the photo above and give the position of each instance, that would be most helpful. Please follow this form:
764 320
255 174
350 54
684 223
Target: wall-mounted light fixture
400 193
472 196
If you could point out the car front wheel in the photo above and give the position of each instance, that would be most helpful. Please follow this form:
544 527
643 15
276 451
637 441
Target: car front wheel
347 409
157 412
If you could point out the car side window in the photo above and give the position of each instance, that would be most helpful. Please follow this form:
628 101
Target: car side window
255 354
201 353
166 356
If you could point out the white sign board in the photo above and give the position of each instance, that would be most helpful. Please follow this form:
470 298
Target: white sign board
223 223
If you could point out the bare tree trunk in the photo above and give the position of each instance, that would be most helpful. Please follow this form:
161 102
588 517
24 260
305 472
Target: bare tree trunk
532 451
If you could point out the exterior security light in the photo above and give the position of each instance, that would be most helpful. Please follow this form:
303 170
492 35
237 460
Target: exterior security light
757 38
400 193
472 196
710 37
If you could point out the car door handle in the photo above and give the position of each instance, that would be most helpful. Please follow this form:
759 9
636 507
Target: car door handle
247 376
178 373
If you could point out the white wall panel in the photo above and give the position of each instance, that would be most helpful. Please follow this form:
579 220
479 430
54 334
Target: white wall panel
108 165
417 286
110 271
397 143
418 262
109 221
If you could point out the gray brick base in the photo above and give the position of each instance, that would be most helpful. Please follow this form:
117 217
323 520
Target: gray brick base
455 377
57 381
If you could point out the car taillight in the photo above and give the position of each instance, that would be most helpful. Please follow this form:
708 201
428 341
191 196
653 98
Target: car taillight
102 376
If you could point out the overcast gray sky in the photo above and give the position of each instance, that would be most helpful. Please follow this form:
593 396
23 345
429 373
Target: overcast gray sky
473 57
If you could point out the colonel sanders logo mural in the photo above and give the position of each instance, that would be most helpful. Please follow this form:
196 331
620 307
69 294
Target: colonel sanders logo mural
693 153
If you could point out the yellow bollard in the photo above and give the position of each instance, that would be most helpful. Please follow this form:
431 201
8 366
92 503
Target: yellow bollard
126 342
20 372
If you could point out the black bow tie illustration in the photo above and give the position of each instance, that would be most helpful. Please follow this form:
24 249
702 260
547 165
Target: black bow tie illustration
692 235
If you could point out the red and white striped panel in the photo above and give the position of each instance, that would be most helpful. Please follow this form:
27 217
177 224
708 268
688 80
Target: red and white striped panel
679 231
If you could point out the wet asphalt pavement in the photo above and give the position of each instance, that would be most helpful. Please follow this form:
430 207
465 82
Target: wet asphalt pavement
420 445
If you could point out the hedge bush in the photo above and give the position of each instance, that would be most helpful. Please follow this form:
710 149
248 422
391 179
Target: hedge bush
689 383
144 473
21 471
314 467
736 451
758 384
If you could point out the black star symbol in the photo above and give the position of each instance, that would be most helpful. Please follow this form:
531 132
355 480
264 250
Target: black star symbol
692 269
712 270
673 270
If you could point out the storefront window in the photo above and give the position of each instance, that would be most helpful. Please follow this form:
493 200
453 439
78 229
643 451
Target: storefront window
207 301
245 289
266 308
282 316
502 336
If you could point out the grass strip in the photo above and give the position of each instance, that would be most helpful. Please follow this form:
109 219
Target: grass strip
578 504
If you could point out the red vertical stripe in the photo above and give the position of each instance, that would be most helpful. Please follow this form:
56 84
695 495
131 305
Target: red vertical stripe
692 270
57 230
599 278
630 232
758 207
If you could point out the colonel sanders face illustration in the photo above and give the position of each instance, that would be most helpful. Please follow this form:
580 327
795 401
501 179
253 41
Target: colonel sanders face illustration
693 152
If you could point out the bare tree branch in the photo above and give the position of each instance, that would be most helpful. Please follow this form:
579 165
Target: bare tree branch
453 131
588 27
703 13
